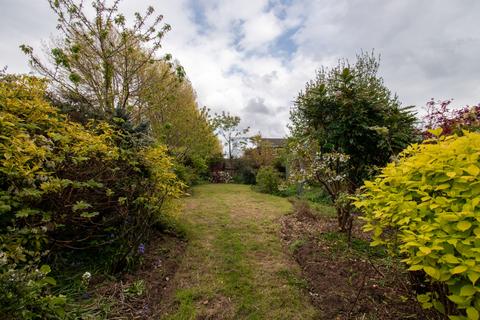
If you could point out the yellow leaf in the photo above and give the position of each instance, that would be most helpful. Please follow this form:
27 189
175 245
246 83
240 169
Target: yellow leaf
451 174
425 250
473 276
467 290
432 272
450 258
458 269
472 313
436 132
463 225
472 170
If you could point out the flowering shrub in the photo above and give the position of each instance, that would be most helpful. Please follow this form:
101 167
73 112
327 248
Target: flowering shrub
425 208
329 169
221 177
440 116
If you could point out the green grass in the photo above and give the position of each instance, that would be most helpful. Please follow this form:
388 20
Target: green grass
235 266
339 245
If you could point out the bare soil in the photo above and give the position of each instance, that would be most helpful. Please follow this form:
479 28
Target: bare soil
348 281
160 262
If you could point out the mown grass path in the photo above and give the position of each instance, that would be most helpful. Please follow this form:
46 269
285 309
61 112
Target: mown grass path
235 266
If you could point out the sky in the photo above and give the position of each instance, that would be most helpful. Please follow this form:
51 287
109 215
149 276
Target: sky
252 57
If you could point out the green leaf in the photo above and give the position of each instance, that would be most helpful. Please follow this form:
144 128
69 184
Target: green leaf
89 214
45 269
25 213
472 313
422 298
81 205
50 281
467 290
457 299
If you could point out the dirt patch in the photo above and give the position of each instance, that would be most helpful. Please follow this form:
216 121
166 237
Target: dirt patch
348 281
138 295
219 308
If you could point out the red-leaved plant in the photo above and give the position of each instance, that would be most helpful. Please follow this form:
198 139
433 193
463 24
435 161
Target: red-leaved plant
439 115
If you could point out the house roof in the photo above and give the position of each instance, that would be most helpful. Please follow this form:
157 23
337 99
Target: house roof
276 142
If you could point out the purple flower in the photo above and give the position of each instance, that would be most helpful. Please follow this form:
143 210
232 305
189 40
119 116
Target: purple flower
141 248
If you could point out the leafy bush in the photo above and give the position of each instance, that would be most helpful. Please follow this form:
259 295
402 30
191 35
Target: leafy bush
348 109
244 172
69 191
425 207
24 294
268 180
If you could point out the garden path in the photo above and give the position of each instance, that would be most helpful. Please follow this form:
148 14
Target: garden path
235 266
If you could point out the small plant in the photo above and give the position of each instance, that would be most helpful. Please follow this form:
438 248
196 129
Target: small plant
25 293
302 209
268 180
136 289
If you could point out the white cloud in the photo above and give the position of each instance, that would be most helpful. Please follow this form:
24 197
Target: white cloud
237 51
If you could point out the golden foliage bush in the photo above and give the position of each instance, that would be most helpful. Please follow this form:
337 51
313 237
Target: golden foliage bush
69 192
426 208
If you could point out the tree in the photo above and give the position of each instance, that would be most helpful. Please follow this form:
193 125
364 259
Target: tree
345 125
227 126
262 153
176 120
348 109
99 63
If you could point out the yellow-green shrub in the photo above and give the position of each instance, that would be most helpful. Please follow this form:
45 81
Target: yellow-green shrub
68 192
426 208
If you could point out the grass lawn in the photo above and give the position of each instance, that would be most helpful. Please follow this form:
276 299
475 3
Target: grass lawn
235 266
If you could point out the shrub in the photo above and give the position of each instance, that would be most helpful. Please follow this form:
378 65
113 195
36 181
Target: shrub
69 191
425 207
268 180
348 109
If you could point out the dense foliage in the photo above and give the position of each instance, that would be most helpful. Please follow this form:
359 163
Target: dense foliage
103 66
69 189
178 122
345 125
425 207
348 109
268 180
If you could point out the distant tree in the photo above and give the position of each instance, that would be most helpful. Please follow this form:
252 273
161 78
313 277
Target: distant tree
227 126
262 153
99 62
